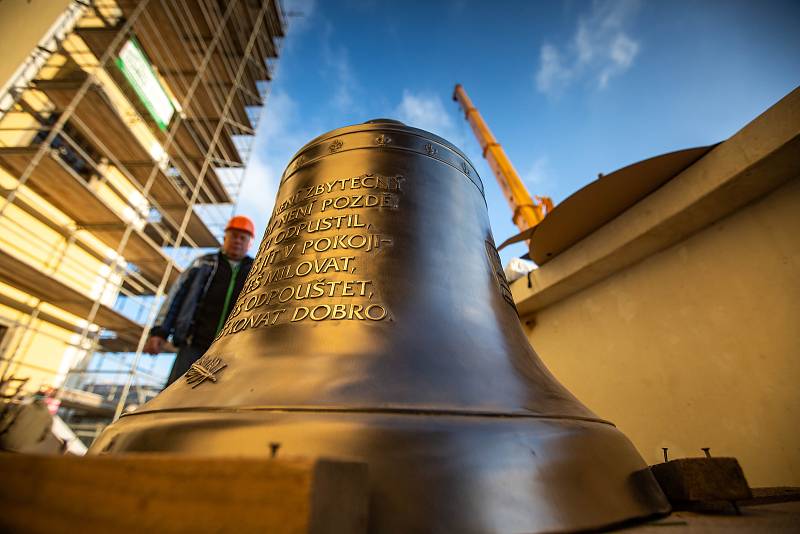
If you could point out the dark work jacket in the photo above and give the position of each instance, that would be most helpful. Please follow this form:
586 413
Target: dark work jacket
191 311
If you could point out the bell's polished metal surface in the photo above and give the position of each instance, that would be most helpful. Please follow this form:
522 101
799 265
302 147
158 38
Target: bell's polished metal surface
377 325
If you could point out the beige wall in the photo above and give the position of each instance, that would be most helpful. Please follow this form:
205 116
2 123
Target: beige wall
696 346
23 23
37 349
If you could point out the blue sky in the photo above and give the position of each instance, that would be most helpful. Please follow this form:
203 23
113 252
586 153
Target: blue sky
570 89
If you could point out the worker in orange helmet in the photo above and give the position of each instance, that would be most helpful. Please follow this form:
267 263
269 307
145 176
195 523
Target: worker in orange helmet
200 301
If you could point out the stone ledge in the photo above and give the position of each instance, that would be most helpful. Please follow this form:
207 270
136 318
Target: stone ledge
752 163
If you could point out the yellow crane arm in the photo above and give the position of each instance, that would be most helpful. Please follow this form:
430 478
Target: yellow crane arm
527 212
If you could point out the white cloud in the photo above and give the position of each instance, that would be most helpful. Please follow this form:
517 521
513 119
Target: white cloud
622 53
337 70
279 134
583 44
279 137
277 115
552 72
600 49
426 111
299 14
345 81
539 173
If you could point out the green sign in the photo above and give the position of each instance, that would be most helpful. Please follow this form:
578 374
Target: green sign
137 70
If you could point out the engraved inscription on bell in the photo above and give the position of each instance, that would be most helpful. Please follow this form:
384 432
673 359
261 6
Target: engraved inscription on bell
315 260
206 368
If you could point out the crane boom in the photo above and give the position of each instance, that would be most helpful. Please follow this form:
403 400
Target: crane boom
527 211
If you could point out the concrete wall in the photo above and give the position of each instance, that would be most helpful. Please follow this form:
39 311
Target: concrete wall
697 345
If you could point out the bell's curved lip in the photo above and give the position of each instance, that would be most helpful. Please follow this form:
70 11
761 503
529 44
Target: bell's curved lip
383 125
385 410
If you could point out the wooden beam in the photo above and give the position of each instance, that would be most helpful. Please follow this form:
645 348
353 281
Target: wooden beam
170 493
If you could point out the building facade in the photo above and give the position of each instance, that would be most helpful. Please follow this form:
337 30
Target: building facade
125 127
676 316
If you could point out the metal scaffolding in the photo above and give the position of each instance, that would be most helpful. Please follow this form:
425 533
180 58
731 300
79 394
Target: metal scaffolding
92 163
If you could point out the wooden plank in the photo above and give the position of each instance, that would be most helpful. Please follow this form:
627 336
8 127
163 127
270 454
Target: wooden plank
206 95
64 189
194 140
209 98
31 280
127 344
96 116
182 49
692 480
170 493
99 117
190 170
140 250
173 204
195 229
26 308
163 190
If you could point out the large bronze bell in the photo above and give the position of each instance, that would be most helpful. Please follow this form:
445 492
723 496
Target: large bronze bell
377 325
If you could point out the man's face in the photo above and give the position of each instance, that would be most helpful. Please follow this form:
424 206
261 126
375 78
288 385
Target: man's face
236 244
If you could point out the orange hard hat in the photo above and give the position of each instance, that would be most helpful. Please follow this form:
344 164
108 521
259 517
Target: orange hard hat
241 222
